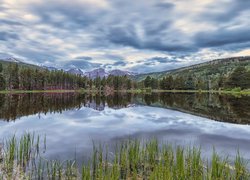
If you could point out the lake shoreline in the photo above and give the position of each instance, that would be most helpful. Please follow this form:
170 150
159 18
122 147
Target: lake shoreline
243 92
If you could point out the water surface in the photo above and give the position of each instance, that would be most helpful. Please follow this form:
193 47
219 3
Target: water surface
72 122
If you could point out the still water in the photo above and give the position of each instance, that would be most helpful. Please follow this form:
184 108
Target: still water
72 122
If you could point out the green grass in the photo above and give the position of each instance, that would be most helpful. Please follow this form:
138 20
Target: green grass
20 158
36 91
135 91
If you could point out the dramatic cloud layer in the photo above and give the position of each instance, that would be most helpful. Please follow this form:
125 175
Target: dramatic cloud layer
140 35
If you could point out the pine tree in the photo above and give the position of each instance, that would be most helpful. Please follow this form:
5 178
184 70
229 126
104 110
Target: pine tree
179 83
14 76
239 78
2 80
1 68
189 83
154 83
147 82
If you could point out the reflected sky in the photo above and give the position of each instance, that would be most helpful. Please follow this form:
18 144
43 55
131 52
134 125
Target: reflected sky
73 132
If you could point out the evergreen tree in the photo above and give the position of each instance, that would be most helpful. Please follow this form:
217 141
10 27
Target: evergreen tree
154 83
1 68
163 83
98 82
103 82
239 78
2 80
169 83
129 84
15 78
179 83
147 82
189 83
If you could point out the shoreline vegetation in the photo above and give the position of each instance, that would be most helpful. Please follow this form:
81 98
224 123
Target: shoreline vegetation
22 158
231 78
146 90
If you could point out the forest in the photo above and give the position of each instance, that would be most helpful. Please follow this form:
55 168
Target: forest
239 79
15 77
209 77
219 74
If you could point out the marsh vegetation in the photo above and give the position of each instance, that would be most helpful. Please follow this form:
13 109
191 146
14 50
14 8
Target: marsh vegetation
21 158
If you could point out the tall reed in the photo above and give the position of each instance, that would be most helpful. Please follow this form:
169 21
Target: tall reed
21 158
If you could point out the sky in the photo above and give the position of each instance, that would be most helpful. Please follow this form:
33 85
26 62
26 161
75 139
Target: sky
139 35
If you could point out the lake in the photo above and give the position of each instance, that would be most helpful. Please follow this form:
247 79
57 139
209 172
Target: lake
73 121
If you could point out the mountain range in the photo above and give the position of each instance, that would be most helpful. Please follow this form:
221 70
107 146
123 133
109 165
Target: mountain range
100 72
208 69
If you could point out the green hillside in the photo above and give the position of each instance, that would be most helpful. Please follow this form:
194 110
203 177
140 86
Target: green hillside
6 63
208 75
211 68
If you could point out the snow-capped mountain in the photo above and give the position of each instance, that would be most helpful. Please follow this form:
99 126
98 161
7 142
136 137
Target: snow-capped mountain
118 72
75 71
50 68
102 73
11 59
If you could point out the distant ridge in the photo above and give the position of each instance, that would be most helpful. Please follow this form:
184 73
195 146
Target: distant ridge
216 63
223 63
6 61
100 72
76 71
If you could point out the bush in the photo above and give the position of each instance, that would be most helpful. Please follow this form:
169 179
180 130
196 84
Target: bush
237 89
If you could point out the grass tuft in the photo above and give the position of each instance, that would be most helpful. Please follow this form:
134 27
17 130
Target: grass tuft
20 158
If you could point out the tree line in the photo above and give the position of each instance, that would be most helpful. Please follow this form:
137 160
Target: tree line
13 106
14 77
239 78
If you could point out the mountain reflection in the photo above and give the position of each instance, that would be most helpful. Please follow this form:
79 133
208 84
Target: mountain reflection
213 106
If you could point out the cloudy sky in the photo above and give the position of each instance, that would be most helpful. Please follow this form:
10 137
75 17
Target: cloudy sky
139 35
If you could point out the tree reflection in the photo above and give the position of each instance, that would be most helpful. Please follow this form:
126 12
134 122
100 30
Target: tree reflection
213 106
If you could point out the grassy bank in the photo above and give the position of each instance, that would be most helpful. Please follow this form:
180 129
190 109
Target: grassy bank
132 159
36 91
135 91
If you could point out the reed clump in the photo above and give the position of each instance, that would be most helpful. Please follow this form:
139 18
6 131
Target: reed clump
20 158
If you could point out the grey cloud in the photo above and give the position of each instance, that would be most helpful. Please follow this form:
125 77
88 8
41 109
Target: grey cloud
165 5
5 36
9 22
163 59
37 56
151 63
2 8
222 37
4 55
86 58
230 10
142 26
120 63
128 37
152 67
113 57
81 64
157 29
75 15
